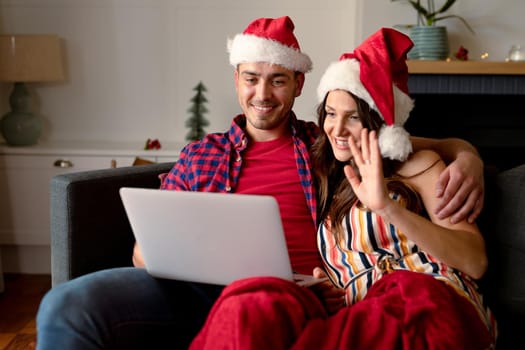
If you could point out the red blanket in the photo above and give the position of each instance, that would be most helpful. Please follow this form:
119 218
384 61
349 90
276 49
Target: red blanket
258 313
403 310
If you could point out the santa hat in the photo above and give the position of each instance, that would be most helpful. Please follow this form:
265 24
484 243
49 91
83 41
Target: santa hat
377 73
269 40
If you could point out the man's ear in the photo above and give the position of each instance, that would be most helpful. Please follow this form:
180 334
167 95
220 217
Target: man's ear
300 83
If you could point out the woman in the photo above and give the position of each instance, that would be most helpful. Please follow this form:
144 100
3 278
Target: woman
399 277
379 238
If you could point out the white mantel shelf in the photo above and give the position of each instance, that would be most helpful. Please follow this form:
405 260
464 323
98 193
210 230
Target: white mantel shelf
91 148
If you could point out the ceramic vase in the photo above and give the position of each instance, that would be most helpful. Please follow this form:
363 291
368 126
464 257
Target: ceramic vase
430 43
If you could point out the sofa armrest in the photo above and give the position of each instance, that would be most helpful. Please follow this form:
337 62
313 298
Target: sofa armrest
89 227
503 225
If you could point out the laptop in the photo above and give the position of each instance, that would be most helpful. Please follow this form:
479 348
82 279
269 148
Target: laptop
207 237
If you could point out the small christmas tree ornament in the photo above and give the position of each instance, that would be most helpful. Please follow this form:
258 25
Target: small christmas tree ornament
196 122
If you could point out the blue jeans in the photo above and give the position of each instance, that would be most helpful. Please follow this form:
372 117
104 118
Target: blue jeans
123 308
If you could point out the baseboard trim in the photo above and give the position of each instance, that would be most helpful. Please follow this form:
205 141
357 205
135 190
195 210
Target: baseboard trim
26 259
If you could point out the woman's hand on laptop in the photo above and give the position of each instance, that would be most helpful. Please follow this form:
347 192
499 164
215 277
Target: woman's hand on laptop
137 259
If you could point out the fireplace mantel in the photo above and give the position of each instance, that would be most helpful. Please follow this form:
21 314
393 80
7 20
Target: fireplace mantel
466 77
479 101
466 67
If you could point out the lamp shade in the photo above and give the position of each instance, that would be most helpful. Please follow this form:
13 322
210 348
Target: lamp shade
31 58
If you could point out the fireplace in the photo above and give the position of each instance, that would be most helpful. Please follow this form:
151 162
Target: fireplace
481 102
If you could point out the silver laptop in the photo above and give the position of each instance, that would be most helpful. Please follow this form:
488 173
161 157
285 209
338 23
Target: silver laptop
207 237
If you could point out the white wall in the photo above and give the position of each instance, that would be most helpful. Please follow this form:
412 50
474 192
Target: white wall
133 63
497 24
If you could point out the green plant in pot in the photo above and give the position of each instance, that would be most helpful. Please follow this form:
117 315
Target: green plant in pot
431 40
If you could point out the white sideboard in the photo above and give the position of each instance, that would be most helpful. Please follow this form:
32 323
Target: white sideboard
25 174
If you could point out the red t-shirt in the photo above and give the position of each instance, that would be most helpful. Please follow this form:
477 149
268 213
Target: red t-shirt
269 168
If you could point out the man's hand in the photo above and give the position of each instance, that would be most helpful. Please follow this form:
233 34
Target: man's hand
137 259
331 296
461 188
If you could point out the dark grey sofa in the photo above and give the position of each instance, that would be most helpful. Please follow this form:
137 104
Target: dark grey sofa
90 231
89 227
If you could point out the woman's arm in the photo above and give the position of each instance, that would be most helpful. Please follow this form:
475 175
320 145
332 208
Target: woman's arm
460 187
458 245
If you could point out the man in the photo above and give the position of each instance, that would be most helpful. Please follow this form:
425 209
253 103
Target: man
265 151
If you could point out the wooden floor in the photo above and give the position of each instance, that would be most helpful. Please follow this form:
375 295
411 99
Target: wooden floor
18 305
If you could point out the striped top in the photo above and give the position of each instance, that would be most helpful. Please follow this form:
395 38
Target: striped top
370 247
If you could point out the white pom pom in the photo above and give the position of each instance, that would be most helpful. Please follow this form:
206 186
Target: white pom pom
394 142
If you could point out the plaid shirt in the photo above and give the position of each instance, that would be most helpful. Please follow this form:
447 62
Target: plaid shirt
213 164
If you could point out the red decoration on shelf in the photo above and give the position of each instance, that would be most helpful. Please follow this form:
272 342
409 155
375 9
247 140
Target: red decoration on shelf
462 54
152 144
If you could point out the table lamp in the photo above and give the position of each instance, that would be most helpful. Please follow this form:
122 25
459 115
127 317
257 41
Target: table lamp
23 59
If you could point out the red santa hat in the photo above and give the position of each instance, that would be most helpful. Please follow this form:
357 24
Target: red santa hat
377 73
269 40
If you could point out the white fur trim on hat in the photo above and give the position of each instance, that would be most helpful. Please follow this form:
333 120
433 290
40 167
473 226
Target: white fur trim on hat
251 48
345 75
